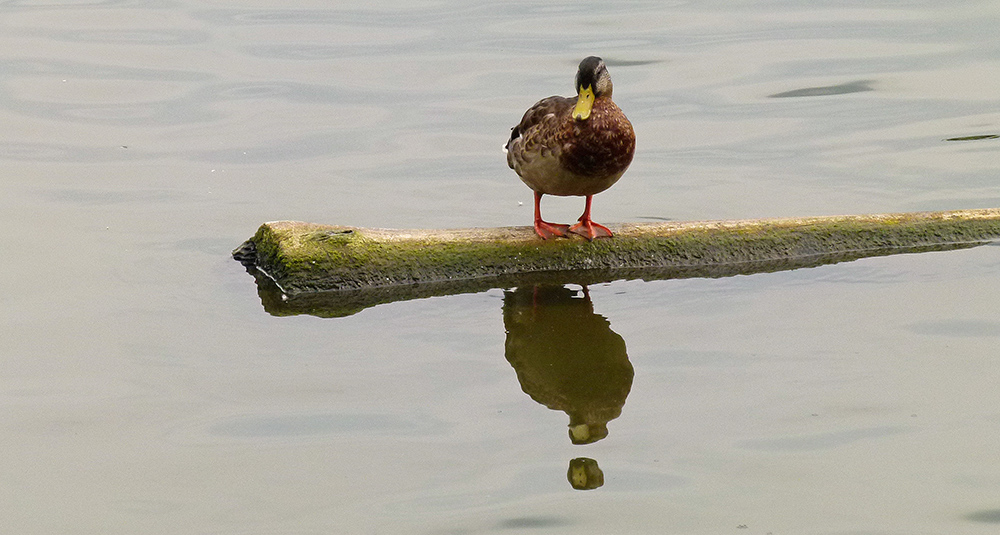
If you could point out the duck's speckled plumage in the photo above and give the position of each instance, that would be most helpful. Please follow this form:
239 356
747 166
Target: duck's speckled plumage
556 153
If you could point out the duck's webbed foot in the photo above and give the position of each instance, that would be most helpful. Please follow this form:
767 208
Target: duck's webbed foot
550 230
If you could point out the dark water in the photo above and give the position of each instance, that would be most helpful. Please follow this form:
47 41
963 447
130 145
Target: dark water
146 390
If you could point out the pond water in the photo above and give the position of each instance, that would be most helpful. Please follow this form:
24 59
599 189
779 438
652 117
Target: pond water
145 389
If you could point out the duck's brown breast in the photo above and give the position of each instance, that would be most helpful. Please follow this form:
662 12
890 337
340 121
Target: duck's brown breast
600 147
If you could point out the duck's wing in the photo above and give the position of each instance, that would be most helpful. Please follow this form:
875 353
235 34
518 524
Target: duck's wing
540 125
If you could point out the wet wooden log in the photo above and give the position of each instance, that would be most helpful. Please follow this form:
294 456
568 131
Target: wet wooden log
306 257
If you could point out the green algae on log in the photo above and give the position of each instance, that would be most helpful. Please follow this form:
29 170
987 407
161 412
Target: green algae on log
307 257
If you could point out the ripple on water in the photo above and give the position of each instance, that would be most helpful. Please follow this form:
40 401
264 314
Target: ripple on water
149 36
310 426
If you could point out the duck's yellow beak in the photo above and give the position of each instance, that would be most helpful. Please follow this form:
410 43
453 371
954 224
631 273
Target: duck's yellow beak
584 103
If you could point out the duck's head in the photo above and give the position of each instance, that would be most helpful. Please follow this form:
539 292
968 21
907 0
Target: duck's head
592 81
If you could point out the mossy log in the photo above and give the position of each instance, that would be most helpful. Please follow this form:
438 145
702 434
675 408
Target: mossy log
365 266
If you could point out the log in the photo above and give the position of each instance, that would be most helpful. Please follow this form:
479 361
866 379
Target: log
315 265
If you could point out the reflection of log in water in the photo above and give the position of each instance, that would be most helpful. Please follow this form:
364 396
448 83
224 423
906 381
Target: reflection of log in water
567 357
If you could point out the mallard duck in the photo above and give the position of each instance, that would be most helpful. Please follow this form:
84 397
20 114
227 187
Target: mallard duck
573 146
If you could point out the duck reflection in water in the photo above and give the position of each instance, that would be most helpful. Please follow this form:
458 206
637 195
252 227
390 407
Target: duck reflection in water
584 474
567 357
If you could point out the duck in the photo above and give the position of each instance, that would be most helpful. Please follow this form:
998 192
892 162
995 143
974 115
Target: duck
573 146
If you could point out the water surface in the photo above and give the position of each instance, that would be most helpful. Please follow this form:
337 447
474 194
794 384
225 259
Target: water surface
146 390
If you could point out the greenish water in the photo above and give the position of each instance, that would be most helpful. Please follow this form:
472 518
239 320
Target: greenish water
145 389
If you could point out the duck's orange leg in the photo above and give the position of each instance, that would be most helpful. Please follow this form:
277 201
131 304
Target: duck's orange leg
587 228
543 228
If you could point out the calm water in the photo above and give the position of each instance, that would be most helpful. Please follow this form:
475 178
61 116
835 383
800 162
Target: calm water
144 389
